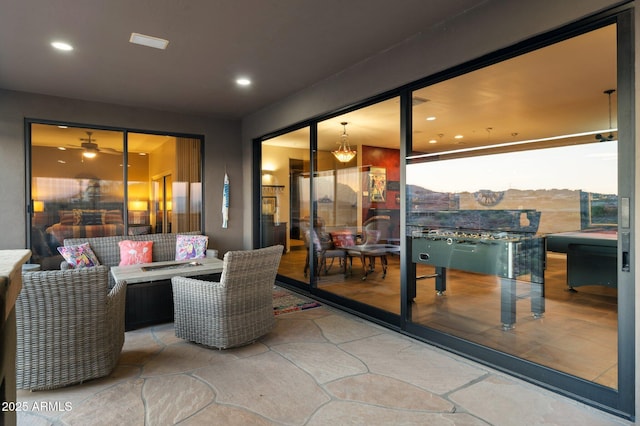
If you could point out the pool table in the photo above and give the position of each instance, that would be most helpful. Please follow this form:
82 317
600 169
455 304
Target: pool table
592 256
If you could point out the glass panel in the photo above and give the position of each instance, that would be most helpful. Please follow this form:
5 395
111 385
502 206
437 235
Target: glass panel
286 205
164 176
162 204
186 187
76 186
138 184
357 203
512 207
77 194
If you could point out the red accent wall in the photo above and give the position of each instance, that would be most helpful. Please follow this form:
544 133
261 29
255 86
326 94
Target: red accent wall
390 160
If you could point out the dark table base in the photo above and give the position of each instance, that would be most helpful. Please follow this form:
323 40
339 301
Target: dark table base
152 302
592 257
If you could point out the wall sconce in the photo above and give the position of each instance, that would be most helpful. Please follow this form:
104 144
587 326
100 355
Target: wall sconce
38 206
267 177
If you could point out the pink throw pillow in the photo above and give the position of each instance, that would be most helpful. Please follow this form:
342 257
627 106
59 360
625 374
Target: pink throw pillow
342 239
135 252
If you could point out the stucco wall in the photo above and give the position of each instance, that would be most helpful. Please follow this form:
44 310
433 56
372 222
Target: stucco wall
221 151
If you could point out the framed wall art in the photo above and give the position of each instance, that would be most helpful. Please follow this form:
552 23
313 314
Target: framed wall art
377 184
269 205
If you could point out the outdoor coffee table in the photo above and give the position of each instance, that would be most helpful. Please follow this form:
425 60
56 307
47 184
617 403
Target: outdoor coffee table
149 292
157 271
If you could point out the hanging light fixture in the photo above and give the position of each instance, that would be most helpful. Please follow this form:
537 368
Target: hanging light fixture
90 148
90 152
599 136
344 154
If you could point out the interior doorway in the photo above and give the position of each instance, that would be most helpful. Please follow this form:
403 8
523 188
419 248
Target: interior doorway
296 169
162 203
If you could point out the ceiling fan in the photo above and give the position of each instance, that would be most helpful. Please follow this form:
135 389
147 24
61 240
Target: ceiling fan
90 148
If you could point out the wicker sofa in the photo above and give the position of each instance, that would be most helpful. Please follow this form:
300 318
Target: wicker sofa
69 327
108 251
147 303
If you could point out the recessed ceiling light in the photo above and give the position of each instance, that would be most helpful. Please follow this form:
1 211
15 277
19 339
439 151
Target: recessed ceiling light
458 136
62 148
149 41
431 118
62 162
243 81
63 127
61 45
433 141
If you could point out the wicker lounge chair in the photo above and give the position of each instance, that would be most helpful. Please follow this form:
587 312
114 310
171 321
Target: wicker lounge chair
235 311
70 327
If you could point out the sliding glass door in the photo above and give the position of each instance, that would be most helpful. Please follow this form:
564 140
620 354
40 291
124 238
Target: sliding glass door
486 200
358 207
505 231
285 209
92 182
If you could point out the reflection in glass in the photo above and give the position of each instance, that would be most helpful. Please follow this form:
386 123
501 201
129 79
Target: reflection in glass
472 231
512 217
511 202
162 203
76 195
186 186
285 203
358 208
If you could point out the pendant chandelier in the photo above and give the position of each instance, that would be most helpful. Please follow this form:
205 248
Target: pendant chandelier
344 154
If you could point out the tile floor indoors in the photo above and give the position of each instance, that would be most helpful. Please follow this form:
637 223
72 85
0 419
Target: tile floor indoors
317 367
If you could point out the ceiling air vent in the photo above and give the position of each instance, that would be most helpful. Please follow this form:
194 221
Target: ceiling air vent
149 41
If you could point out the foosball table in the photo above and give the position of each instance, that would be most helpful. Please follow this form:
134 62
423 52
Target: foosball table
511 251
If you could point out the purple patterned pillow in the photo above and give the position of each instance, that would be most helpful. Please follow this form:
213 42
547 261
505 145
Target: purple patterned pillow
191 246
80 256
